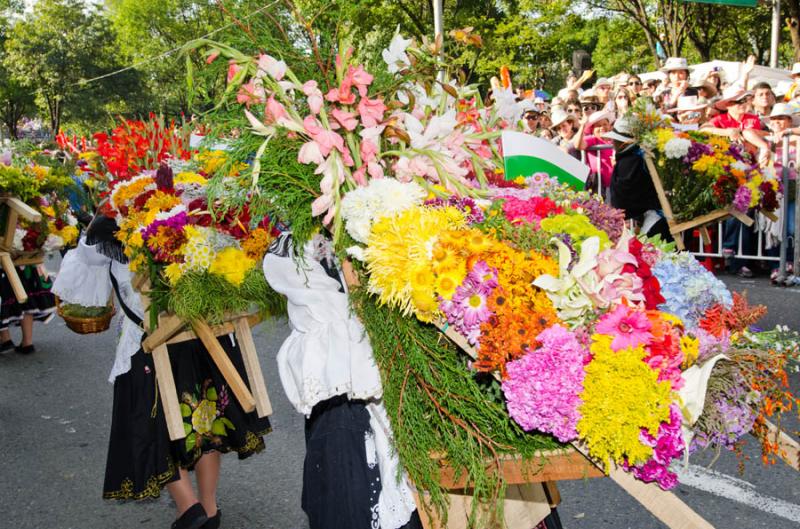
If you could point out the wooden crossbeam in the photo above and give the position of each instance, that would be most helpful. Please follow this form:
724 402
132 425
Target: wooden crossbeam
22 209
252 366
225 366
168 393
13 278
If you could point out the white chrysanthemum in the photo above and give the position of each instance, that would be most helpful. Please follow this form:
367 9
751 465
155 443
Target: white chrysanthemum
677 148
164 215
356 252
385 196
359 228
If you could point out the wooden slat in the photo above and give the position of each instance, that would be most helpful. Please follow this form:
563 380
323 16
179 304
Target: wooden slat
556 465
770 215
168 326
743 218
11 228
702 220
22 209
251 364
226 367
662 504
789 449
32 260
704 235
168 393
662 196
13 278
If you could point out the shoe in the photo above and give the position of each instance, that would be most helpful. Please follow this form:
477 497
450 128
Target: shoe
5 346
193 518
25 349
744 272
214 521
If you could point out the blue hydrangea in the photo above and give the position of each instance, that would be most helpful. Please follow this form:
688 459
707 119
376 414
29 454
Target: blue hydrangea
689 289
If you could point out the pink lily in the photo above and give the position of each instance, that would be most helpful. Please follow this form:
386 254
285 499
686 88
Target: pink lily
371 111
345 119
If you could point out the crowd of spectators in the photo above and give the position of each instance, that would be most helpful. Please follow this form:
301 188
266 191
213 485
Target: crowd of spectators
590 124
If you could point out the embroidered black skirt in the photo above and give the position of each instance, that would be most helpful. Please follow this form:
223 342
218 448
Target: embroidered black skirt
41 303
141 456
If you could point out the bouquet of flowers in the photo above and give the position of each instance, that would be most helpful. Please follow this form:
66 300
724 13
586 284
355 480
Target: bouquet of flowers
703 172
559 307
200 265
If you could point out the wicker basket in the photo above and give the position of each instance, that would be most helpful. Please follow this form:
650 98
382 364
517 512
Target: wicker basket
88 325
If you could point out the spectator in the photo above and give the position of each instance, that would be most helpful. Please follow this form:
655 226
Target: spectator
792 92
649 88
573 107
634 85
565 126
735 121
706 90
690 112
632 188
780 125
763 101
589 104
677 70
588 138
622 102
602 90
532 121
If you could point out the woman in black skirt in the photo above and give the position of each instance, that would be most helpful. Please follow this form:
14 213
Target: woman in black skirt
40 306
141 457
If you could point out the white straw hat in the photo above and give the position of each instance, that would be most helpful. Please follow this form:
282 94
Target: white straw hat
622 131
675 63
559 116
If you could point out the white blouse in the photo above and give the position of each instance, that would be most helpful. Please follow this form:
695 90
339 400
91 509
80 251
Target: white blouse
328 354
84 279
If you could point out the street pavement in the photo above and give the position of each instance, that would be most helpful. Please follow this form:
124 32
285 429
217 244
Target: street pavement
55 408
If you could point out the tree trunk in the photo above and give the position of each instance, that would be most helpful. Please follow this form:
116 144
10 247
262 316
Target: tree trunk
793 23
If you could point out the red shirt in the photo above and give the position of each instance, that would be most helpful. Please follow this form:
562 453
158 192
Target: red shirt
725 121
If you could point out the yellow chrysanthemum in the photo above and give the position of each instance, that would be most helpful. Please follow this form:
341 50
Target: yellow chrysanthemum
232 264
173 272
447 283
401 243
186 178
621 396
138 263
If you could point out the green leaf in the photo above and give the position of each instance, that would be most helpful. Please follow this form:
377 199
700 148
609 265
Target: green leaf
191 440
187 428
227 423
186 411
218 427
211 394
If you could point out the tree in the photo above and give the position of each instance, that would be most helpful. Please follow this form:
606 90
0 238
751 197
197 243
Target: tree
15 99
55 49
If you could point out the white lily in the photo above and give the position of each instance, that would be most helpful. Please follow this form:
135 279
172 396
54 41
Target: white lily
395 55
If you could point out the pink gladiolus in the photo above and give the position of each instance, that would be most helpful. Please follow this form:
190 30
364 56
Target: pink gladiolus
343 94
233 69
329 140
371 111
375 170
212 57
359 175
321 205
275 68
359 78
368 150
275 111
314 96
310 153
312 126
249 94
345 119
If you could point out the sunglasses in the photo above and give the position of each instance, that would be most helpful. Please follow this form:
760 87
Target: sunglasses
590 107
743 101
573 110
622 97
635 83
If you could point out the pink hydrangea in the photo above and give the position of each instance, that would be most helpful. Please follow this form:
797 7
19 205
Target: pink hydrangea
542 388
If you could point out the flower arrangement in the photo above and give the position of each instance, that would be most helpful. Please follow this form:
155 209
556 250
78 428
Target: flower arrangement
201 264
702 172
577 330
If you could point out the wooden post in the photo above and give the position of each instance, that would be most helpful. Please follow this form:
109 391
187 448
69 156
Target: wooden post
251 364
225 366
168 326
168 393
11 229
11 273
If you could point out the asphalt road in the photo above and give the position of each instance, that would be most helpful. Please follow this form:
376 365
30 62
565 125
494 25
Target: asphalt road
55 413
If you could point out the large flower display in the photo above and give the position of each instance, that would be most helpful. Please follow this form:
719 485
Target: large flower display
575 329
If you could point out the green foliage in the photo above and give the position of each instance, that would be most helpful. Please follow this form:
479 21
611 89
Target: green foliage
210 297
26 185
79 311
437 405
55 48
